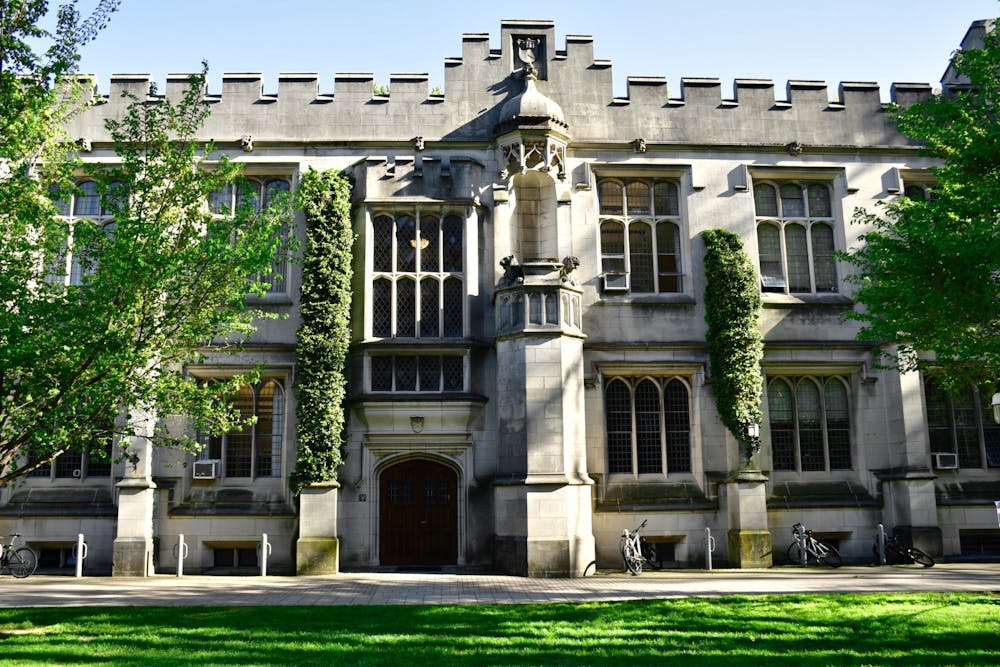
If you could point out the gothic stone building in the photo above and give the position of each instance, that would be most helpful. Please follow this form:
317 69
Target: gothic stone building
529 370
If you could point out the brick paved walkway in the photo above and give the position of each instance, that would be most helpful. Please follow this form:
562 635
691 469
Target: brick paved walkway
379 588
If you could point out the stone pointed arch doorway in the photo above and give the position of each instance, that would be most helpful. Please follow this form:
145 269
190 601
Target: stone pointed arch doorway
418 514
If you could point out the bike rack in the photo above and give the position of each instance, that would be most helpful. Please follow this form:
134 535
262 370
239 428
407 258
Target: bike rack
803 554
880 543
181 552
709 547
80 553
265 551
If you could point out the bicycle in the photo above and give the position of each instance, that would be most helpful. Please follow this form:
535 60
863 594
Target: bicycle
898 553
815 550
636 550
20 562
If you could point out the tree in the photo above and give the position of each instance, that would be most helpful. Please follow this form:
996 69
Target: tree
83 357
735 344
929 271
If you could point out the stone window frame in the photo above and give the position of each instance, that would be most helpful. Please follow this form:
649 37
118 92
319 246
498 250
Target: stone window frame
392 284
218 447
776 272
631 382
951 432
644 216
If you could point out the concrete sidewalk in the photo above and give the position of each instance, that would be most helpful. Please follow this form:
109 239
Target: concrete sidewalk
380 588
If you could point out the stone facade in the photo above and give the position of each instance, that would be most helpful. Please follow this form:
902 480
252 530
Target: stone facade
529 365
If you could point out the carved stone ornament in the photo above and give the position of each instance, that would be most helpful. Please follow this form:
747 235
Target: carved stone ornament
417 423
513 274
418 143
246 143
640 145
794 148
83 143
527 49
569 264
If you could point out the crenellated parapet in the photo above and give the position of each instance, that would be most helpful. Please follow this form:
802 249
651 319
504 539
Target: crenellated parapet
306 107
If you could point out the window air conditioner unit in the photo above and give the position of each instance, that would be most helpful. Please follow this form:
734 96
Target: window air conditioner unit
945 460
615 282
205 469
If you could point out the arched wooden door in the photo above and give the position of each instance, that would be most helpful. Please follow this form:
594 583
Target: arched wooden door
418 514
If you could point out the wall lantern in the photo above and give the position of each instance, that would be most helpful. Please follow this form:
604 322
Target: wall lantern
753 429
995 402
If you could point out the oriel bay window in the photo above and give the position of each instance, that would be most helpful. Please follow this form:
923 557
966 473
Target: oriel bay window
640 235
648 425
254 450
795 241
418 275
425 372
810 423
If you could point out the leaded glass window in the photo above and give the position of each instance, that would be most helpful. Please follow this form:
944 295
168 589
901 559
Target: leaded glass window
810 423
650 253
795 242
647 425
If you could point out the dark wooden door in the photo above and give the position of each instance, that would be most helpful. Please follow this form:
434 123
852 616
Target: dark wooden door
418 517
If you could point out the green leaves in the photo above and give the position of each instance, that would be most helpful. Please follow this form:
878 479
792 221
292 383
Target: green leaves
157 281
324 336
732 312
929 271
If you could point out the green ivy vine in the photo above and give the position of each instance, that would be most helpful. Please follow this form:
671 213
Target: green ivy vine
732 312
325 333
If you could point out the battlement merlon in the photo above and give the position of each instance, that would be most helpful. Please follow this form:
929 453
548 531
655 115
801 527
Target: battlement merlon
478 83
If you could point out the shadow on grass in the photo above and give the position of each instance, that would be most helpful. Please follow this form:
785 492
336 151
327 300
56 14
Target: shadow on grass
957 628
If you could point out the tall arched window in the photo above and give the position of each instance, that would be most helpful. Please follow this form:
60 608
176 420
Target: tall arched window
646 260
962 424
257 193
418 286
648 425
795 243
810 423
255 449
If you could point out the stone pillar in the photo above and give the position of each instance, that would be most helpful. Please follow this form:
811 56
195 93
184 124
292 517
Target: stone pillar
317 550
542 493
909 499
746 507
133 546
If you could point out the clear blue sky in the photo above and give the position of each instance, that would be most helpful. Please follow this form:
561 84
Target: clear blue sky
833 41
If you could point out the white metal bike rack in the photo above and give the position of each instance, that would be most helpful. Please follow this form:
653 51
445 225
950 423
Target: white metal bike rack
80 553
265 551
181 552
709 547
880 542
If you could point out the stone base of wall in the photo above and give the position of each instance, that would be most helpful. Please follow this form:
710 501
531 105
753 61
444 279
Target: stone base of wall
749 548
925 538
317 555
131 557
540 558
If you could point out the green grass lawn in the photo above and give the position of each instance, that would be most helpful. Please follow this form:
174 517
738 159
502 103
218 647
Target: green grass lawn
874 629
